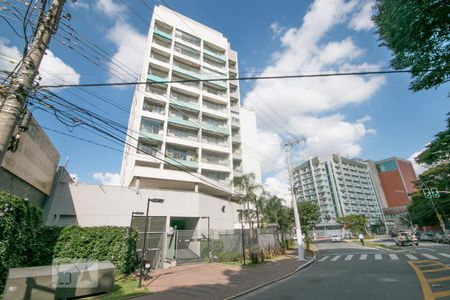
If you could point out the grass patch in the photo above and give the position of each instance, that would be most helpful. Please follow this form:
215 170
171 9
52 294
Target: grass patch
124 288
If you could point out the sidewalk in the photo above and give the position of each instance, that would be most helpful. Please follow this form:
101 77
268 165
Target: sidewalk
215 280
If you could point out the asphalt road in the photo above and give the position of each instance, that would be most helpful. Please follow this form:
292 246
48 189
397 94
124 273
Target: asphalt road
348 271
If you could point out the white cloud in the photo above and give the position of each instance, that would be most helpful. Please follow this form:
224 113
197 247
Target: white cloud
107 178
126 62
130 49
79 5
277 30
308 106
419 169
53 70
278 185
361 20
109 8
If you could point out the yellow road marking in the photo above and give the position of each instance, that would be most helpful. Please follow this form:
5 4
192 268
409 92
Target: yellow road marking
423 261
435 270
439 279
441 294
428 294
430 265
426 290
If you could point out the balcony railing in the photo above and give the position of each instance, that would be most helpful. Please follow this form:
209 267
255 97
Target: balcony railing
182 135
159 31
215 161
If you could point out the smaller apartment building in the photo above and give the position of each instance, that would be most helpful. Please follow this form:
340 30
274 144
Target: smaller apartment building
340 187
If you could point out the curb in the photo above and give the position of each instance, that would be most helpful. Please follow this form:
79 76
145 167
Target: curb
275 280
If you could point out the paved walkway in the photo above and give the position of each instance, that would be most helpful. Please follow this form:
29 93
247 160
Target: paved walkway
215 281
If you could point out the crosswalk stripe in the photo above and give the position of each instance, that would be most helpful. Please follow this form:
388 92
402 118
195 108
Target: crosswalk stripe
411 256
393 256
378 257
444 254
323 258
363 257
429 256
336 258
349 257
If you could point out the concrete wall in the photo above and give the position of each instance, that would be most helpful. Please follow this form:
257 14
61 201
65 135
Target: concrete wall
13 184
97 205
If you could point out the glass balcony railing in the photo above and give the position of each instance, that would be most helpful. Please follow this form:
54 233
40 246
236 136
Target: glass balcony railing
215 55
159 31
215 161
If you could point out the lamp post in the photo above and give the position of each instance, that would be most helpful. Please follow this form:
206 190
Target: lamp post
155 200
209 243
242 233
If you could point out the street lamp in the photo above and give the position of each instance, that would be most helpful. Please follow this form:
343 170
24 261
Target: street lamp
155 200
242 233
209 243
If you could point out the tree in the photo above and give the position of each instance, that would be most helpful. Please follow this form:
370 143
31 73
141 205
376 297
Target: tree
438 151
275 212
417 33
309 213
354 223
248 187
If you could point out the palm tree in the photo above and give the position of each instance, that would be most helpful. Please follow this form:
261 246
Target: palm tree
248 188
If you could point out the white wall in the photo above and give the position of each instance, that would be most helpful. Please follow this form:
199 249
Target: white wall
98 205
249 138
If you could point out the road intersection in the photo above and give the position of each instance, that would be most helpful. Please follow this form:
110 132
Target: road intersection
349 271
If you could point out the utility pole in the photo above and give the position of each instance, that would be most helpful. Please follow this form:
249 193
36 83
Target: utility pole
301 252
16 95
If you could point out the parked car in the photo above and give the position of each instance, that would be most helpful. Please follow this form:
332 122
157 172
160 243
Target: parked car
426 237
405 238
438 238
335 238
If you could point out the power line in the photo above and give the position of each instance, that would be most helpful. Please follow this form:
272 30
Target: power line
237 78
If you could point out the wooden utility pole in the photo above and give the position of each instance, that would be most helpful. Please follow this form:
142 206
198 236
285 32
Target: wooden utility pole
14 99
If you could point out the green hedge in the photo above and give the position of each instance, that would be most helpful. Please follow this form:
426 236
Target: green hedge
116 244
20 224
25 241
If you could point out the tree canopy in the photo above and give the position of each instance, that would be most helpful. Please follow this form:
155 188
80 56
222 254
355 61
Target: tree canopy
417 32
309 213
438 150
354 223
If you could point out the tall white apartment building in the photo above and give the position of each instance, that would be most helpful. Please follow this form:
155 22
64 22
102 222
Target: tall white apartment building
340 187
192 130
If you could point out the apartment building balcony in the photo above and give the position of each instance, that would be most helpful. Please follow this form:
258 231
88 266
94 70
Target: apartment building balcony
234 108
235 121
188 38
217 65
184 101
151 135
214 55
183 121
207 111
215 167
190 87
186 70
237 172
213 142
161 32
215 94
159 78
162 41
183 157
214 128
234 94
153 106
237 154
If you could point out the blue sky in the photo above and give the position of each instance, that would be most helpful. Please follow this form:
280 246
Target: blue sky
367 116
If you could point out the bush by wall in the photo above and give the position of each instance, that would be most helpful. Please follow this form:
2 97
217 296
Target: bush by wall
18 230
25 241
116 244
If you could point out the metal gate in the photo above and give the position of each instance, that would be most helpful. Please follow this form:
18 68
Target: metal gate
154 243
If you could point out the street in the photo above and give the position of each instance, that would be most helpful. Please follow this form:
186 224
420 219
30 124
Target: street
348 271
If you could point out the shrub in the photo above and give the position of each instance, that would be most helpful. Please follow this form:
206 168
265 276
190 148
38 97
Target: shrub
20 225
116 244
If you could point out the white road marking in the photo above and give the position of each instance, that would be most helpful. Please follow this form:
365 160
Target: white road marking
336 258
411 256
323 258
445 255
363 257
378 257
426 249
349 257
393 256
429 256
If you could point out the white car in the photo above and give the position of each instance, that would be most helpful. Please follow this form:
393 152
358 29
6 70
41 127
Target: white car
335 238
